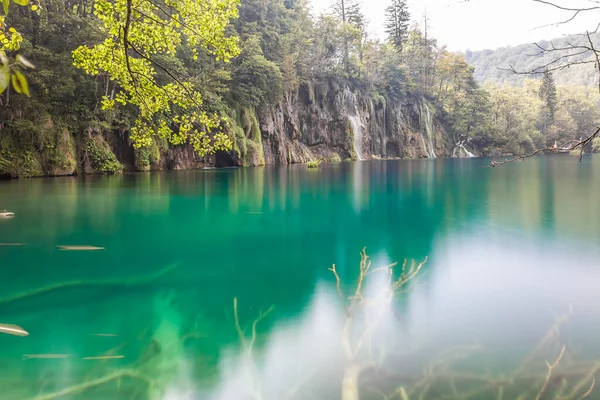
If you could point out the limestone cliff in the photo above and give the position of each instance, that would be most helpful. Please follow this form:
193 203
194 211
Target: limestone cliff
332 123
320 121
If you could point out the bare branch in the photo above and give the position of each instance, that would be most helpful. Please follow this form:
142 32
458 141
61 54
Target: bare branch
550 370
238 328
595 54
590 390
582 144
567 8
338 284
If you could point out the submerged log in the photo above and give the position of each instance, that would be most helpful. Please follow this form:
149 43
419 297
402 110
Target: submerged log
13 330
80 248
122 282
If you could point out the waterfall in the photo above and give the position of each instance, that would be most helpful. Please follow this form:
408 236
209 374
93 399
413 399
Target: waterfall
357 130
428 122
385 126
460 151
351 103
350 100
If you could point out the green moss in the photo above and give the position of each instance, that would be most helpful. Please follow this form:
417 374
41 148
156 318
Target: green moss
19 165
60 153
253 154
162 143
247 138
313 164
30 149
334 158
101 157
350 139
147 157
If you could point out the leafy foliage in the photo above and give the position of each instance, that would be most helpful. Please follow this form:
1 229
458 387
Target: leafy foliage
10 41
138 32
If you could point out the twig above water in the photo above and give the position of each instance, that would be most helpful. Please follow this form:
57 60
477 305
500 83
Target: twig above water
568 146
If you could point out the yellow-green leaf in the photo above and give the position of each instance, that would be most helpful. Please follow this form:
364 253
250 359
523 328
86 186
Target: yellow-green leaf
21 2
19 82
4 79
25 62
5 3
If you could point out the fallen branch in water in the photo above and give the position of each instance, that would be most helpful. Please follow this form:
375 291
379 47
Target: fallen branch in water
372 309
574 145
127 282
551 334
80 248
45 356
551 368
248 348
94 383
13 330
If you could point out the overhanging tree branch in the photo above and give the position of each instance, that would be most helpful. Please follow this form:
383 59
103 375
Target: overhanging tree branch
569 146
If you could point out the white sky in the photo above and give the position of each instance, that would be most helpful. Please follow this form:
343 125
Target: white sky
483 24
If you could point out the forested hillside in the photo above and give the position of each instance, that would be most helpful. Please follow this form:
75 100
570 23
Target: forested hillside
248 84
491 65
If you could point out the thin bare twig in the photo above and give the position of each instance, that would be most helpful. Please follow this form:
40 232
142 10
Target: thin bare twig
338 284
238 328
582 144
590 390
551 368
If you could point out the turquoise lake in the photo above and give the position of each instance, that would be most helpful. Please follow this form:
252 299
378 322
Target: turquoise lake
510 251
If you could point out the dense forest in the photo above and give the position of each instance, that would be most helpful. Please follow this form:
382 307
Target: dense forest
267 83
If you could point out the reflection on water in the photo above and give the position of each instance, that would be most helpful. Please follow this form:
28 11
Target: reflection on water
509 251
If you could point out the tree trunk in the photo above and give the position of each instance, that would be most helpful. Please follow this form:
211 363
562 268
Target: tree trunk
350 383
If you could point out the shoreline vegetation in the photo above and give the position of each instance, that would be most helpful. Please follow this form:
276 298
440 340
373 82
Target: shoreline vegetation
273 85
369 368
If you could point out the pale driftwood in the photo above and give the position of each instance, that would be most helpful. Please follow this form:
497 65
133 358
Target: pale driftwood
12 244
104 358
80 248
14 330
90 283
45 356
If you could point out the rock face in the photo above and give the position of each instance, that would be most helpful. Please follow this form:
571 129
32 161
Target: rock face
320 121
325 122
333 123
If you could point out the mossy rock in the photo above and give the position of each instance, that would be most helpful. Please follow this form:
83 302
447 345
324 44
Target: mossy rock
101 157
334 158
61 158
254 156
147 158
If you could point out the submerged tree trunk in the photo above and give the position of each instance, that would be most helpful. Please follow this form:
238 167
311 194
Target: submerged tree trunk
350 382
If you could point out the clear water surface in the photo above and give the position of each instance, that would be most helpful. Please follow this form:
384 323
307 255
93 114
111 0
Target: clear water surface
509 250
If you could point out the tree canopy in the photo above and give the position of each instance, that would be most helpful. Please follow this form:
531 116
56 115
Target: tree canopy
140 31
397 21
